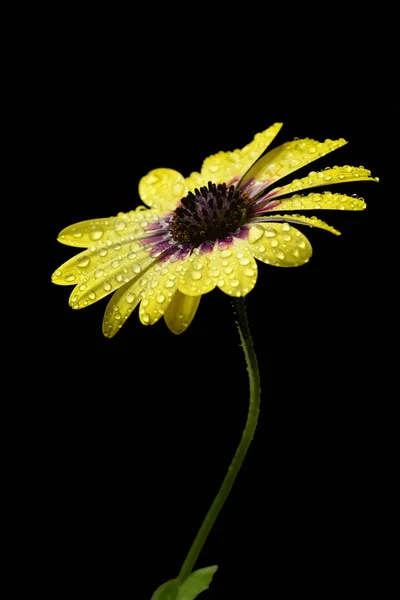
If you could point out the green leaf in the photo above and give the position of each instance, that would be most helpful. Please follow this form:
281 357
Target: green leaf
197 582
167 591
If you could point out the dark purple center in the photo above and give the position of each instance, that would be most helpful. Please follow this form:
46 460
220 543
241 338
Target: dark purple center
210 213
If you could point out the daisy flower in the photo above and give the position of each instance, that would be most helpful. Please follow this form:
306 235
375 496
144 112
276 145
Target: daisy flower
203 232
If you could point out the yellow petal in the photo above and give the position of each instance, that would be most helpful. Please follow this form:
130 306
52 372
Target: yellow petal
285 159
96 232
224 167
105 262
279 244
181 311
159 292
194 274
162 189
325 201
234 268
325 177
122 304
300 220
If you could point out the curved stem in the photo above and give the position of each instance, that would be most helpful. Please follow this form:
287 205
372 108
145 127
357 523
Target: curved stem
247 436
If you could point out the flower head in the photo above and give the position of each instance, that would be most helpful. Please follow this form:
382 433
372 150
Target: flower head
203 232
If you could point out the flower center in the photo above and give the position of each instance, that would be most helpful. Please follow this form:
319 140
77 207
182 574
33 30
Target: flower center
210 213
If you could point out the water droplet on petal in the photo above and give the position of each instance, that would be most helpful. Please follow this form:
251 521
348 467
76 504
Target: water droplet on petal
169 284
145 317
285 227
228 270
107 286
130 296
279 254
244 261
115 264
92 296
160 298
119 225
255 233
270 232
248 272
82 261
274 243
76 233
96 232
136 268
99 273
70 277
145 302
226 253
234 283
196 275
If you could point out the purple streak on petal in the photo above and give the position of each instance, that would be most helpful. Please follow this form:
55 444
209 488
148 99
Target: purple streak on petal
234 181
254 187
164 245
154 239
242 233
206 247
265 207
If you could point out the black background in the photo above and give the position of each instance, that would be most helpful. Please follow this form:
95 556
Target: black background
136 432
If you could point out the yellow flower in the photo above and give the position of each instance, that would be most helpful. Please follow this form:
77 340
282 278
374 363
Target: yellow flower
203 232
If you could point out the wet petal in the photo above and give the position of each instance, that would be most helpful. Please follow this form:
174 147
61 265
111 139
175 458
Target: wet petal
326 177
101 262
234 268
162 284
225 167
279 244
98 287
286 159
181 311
300 220
325 201
194 274
122 304
96 232
162 189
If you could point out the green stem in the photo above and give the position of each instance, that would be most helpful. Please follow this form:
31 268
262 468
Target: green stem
247 436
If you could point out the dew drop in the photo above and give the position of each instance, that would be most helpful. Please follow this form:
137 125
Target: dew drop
285 227
130 296
120 225
274 243
57 273
132 255
228 270
99 273
115 264
270 232
226 253
279 254
136 268
118 277
301 243
76 233
248 272
244 261
70 277
255 233
96 232
160 298
221 282
287 237
92 296
169 284
82 261
107 286
103 252
196 275
145 317
234 283
198 266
